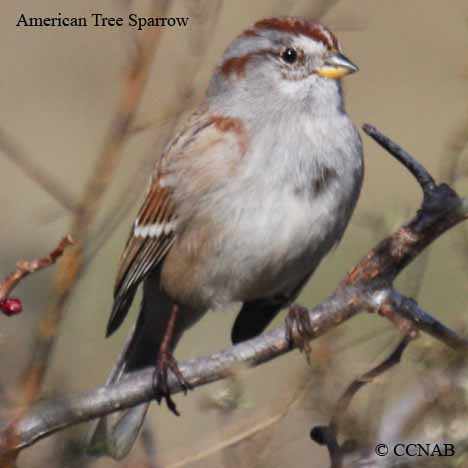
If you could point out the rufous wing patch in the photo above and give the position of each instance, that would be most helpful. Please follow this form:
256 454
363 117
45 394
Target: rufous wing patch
234 125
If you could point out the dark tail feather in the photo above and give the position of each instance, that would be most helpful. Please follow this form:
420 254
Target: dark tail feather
119 311
114 435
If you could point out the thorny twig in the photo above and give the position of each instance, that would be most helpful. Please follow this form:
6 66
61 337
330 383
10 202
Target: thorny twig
369 286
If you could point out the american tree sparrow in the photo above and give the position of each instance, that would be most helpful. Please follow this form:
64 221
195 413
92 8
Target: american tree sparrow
244 203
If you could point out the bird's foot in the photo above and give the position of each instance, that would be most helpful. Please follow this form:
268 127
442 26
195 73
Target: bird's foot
165 363
298 328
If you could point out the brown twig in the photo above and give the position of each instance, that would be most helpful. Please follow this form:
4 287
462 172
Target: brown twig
26 267
18 156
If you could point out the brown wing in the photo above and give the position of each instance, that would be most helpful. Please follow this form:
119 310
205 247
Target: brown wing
212 144
151 237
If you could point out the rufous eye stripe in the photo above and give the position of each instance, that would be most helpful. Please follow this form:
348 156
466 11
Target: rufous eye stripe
236 65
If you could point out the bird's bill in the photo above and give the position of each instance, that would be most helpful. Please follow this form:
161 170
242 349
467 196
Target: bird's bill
336 66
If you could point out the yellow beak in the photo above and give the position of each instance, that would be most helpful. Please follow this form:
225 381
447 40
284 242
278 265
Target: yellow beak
336 66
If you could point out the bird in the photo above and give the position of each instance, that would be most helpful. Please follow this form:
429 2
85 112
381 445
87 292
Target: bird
243 204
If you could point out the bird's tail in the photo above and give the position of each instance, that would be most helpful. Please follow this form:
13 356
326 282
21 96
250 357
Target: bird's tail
114 435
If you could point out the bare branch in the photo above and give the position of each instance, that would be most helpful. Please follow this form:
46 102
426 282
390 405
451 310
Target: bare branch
26 267
423 177
138 387
368 286
441 210
408 308
328 435
18 156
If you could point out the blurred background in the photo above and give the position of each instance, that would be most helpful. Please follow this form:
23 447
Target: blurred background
58 93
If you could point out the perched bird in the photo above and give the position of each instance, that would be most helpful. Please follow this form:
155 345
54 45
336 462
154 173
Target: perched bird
243 204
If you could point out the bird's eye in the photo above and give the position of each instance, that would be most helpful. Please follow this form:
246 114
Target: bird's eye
289 55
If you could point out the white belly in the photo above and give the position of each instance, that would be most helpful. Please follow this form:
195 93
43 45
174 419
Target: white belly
272 244
279 214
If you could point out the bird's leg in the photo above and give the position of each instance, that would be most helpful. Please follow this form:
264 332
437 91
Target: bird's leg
298 328
166 362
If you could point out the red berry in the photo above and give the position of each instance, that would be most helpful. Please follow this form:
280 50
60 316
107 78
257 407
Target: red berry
11 306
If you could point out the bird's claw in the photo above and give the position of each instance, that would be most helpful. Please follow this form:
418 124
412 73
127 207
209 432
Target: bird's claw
298 328
166 362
